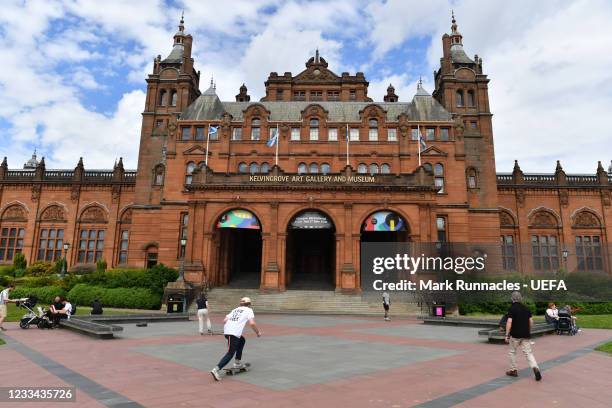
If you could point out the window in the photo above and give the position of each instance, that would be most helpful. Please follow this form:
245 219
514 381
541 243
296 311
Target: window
385 168
588 253
162 97
255 129
333 95
190 168
362 168
314 129
508 252
302 169
428 167
392 135
254 168
159 123
124 238
183 233
353 94
415 133
354 135
474 124
159 175
313 168
545 252
430 134
237 133
11 242
471 101
199 135
271 132
50 244
151 258
186 133
214 134
439 177
173 97
332 134
279 94
325 168
441 228
316 95
459 97
295 133
472 180
265 168
373 130
299 95
373 168
444 134
91 245
242 167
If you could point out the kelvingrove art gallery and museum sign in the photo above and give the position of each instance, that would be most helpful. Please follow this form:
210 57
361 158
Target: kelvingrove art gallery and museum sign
300 178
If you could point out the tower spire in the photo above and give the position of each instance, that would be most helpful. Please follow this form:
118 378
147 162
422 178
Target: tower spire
181 26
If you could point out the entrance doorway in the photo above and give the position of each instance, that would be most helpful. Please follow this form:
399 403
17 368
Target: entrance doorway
311 255
239 235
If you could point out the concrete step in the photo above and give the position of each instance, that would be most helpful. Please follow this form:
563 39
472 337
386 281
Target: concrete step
310 301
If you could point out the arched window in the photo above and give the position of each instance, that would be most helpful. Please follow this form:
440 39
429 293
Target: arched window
265 167
471 178
255 129
173 95
314 129
190 168
373 168
314 168
471 101
242 167
12 233
428 167
162 97
362 168
254 168
302 168
325 168
439 177
373 131
92 233
158 175
385 168
459 97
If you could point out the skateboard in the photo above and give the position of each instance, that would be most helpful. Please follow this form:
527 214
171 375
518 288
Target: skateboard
236 371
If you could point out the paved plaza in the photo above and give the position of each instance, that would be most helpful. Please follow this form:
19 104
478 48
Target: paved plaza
307 361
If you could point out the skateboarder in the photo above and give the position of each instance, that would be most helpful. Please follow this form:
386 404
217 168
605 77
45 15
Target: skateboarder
386 304
234 325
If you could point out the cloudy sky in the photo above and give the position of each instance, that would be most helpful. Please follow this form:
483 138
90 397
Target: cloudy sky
72 75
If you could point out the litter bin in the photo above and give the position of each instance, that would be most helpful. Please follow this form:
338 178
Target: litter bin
438 309
176 304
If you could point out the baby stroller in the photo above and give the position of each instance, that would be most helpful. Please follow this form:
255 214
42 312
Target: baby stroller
36 318
566 323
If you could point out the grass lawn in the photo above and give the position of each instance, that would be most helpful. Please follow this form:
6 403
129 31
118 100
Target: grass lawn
606 348
15 313
584 321
2 342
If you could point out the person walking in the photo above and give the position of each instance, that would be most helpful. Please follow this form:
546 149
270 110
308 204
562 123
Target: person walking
518 334
4 300
202 305
234 325
386 305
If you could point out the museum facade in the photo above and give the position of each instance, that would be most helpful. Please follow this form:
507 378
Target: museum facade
281 193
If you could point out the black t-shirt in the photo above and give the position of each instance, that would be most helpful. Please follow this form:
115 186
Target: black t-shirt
58 306
520 315
201 303
96 308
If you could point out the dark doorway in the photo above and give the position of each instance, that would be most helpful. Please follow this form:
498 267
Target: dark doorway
311 255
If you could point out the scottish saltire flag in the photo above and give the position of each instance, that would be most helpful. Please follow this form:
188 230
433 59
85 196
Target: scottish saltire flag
273 138
422 142
212 130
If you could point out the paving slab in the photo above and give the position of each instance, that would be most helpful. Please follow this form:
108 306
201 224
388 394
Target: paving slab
424 331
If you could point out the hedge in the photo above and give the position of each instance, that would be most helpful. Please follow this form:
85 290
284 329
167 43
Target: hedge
44 294
154 279
131 298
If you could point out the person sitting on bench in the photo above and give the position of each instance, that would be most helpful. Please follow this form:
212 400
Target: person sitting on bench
552 315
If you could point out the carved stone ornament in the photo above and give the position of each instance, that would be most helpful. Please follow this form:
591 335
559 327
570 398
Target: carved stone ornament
543 219
586 219
15 213
75 192
93 215
505 219
605 196
53 213
520 198
127 217
36 192
564 198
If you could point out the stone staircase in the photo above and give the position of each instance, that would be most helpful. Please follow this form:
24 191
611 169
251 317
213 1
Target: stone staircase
311 301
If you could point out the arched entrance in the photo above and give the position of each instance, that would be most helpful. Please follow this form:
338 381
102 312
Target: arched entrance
311 252
384 226
239 235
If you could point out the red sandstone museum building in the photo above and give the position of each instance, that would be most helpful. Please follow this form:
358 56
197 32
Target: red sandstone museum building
211 191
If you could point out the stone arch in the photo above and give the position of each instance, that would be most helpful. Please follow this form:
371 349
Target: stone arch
218 214
256 110
54 212
126 216
585 217
358 227
15 213
506 218
296 211
94 214
542 217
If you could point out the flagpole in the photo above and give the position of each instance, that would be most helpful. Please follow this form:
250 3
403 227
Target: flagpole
348 137
419 143
277 143
207 140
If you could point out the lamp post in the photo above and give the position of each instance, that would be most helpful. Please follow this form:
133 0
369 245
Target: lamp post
565 254
65 262
182 260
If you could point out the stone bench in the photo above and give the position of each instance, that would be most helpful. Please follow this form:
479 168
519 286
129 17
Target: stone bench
104 326
460 321
498 336
93 329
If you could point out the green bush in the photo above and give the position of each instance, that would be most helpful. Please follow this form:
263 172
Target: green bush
40 268
4 281
19 273
154 279
82 269
132 298
38 281
19 261
7 270
44 294
101 265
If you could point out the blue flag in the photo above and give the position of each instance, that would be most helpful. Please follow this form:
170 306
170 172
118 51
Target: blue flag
422 142
212 130
273 138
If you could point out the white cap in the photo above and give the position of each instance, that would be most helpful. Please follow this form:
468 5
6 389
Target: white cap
245 299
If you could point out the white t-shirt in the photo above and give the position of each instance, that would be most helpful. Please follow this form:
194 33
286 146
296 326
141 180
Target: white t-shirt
553 313
386 299
4 296
237 319
68 308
